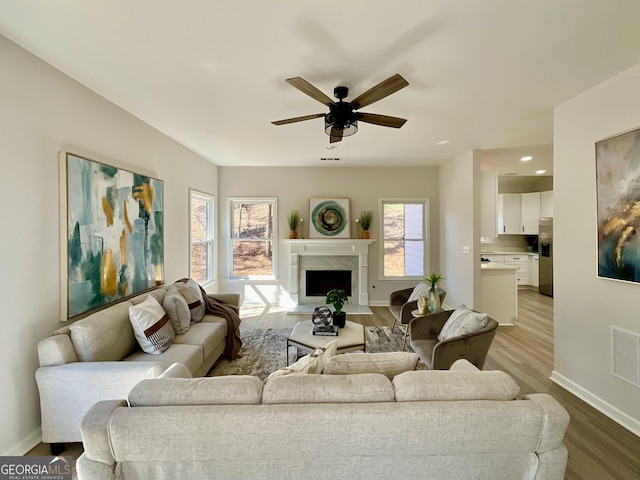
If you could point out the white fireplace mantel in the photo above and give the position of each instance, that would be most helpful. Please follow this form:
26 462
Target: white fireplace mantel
330 247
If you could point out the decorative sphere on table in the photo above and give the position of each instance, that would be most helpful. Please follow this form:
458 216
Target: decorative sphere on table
321 316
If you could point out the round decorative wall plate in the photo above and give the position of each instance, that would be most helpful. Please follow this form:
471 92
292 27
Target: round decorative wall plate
329 218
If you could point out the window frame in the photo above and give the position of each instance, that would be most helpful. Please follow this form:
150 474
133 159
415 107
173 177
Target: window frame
211 233
425 237
231 201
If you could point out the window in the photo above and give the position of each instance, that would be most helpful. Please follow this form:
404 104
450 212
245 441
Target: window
202 237
252 243
404 236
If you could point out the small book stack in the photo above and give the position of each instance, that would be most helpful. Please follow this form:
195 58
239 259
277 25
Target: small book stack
326 330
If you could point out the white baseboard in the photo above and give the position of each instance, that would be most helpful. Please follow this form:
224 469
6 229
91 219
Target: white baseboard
615 414
24 445
379 303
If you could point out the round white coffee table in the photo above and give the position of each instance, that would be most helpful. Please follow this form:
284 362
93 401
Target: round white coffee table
349 338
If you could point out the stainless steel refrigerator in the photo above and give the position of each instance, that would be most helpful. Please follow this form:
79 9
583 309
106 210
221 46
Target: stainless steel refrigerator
545 251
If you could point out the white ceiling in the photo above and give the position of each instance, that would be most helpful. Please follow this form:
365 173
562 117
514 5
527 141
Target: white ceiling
483 74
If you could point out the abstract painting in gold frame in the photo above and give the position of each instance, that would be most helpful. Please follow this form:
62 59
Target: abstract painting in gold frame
112 236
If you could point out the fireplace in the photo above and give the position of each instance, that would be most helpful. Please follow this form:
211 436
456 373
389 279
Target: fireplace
329 255
319 282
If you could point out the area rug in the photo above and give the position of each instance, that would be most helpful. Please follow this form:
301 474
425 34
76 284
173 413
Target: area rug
264 350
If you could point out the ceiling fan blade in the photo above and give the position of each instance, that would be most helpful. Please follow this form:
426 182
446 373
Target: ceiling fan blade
384 120
305 87
298 119
336 135
383 89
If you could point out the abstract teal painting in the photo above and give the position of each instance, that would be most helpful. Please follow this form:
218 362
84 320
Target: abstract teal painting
618 197
114 234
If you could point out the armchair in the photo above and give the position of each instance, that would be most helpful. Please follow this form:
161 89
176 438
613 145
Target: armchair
401 308
439 355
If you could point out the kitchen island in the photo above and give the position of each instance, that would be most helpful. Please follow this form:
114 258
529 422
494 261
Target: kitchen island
499 292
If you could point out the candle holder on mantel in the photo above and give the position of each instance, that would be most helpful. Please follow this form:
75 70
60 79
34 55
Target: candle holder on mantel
356 229
302 228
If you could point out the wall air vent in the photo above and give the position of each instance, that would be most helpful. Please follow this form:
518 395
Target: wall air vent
329 159
625 355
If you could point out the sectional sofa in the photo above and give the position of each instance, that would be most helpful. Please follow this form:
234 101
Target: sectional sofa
98 358
457 424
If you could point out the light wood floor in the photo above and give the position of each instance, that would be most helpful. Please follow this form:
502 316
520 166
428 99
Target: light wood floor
599 448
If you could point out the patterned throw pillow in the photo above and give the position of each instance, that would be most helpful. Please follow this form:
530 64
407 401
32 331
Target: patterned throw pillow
461 322
151 326
176 307
190 290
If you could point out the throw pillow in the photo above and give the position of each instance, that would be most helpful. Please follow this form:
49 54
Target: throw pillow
176 307
386 363
420 290
190 290
461 322
151 326
312 363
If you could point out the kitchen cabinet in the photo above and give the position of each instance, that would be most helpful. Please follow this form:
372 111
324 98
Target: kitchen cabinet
530 212
488 205
546 204
522 262
509 213
518 213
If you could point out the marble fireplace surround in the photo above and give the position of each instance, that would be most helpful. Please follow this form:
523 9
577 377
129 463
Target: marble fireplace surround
313 250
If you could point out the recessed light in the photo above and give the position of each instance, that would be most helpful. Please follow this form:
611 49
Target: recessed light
330 147
527 158
540 172
443 142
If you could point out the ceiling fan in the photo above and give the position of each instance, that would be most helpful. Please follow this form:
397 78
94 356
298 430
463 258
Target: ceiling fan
342 119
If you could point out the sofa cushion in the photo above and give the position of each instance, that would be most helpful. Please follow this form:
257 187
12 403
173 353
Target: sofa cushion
312 363
205 335
176 307
190 290
389 364
362 388
461 322
228 390
427 385
151 326
104 336
190 356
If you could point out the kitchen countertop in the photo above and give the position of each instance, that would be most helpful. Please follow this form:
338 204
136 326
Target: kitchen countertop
508 253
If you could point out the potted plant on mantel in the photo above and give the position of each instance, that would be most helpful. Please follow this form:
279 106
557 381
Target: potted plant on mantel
292 220
366 216
338 298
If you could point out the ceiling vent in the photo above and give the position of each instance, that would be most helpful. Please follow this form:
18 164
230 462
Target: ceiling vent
329 159
625 355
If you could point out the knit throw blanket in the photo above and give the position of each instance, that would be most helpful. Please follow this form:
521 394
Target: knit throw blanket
231 314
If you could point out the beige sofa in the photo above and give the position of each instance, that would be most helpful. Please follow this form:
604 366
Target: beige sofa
98 358
457 424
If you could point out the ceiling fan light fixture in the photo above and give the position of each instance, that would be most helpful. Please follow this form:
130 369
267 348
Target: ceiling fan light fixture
348 128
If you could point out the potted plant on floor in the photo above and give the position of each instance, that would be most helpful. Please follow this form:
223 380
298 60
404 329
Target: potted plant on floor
338 297
434 298
366 216
292 220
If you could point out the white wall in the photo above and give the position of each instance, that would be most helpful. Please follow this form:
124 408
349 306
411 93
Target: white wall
363 186
586 306
459 228
42 112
